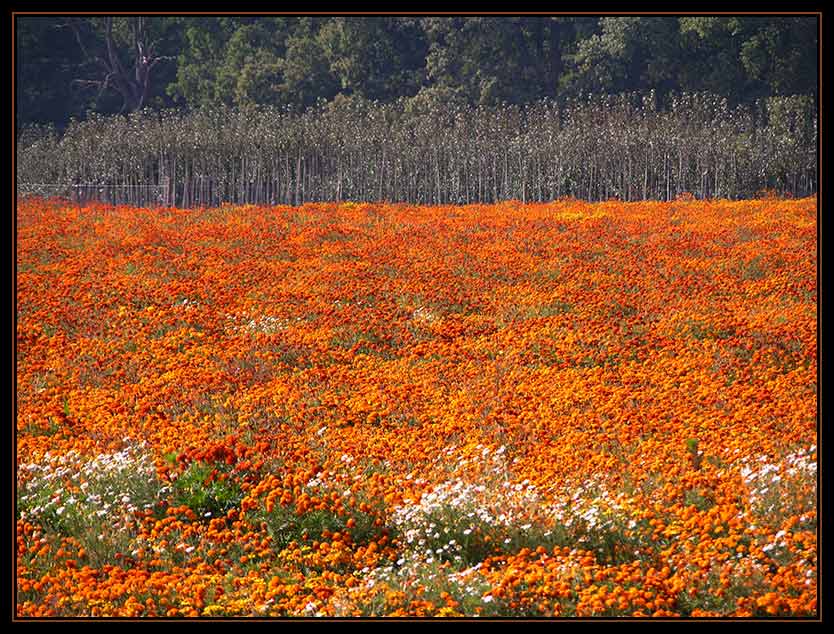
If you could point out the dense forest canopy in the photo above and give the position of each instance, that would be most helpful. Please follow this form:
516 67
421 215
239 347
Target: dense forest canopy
68 67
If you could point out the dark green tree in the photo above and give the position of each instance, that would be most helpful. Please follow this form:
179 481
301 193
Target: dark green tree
627 54
308 77
200 58
376 58
251 71
782 54
69 66
46 57
750 58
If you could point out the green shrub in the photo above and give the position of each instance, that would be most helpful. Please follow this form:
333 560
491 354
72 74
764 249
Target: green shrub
208 489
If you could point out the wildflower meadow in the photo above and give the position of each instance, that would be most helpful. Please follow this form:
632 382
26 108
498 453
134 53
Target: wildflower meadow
556 409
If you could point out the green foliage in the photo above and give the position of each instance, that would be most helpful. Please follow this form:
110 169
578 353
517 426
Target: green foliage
297 61
695 455
629 53
375 58
754 269
699 499
784 489
557 307
700 330
207 489
284 525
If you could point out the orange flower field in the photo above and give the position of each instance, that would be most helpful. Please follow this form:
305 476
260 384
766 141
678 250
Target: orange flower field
558 410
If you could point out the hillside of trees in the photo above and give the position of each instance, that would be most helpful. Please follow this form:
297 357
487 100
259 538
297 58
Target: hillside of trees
201 110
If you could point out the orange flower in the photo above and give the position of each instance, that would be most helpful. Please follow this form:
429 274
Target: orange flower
633 387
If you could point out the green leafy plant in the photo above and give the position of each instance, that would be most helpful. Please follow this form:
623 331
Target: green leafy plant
208 489
695 455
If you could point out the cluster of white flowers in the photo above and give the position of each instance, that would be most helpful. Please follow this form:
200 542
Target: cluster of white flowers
778 542
593 504
771 486
311 609
418 574
186 304
456 513
104 488
264 324
446 527
450 521
425 315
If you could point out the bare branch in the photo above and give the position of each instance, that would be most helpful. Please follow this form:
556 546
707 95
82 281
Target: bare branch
115 63
132 84
161 58
73 24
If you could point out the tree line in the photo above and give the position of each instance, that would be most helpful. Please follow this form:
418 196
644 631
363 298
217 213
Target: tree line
69 67
594 147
